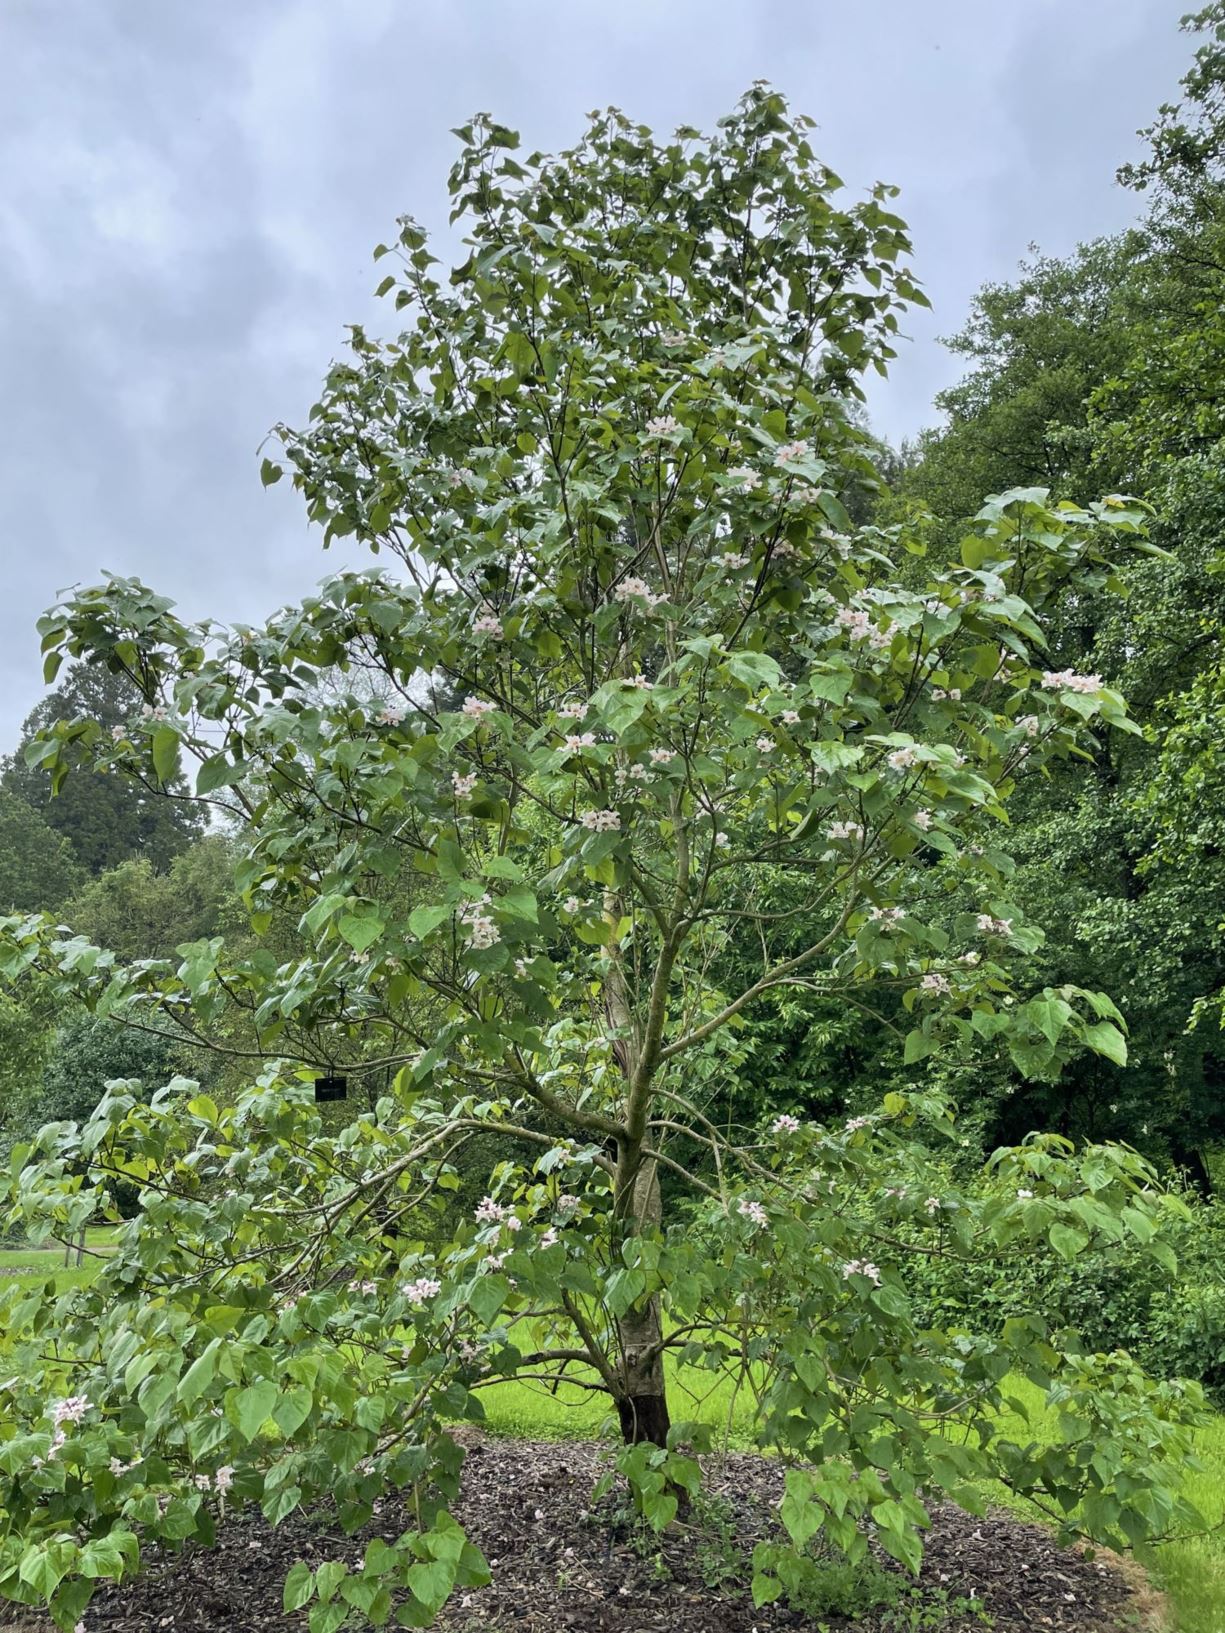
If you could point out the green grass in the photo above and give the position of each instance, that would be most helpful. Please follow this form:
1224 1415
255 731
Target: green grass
34 1264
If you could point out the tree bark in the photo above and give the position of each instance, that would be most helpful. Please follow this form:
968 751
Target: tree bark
642 1397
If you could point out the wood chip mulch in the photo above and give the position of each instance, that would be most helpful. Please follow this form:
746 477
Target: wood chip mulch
556 1569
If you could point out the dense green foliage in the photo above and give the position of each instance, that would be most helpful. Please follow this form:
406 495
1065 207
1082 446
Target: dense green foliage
643 730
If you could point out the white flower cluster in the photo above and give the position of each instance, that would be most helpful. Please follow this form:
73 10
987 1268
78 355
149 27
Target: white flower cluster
661 756
785 1123
752 1211
389 715
601 821
766 745
462 785
488 625
572 904
861 1267
922 819
745 477
791 451
991 926
572 711
637 589
887 915
903 758
1029 724
460 476
475 707
149 712
790 717
480 925
220 1482
845 830
662 425
425 1287
630 773
733 560
936 984
946 694
577 741
1067 680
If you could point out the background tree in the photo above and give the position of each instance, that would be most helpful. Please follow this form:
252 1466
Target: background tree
105 819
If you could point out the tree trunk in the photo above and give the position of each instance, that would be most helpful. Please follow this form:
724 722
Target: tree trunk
642 1397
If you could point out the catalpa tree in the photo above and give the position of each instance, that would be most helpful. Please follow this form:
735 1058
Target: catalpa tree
631 665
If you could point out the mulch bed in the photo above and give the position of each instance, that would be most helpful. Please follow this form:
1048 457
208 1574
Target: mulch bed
555 1567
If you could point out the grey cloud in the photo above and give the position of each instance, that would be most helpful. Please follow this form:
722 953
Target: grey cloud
192 192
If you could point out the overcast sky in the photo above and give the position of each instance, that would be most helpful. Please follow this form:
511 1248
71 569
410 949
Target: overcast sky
189 194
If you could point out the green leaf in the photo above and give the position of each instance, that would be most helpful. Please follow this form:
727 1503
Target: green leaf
1105 1039
270 473
423 921
199 1374
249 1409
292 1410
754 670
1067 1242
299 1587
360 933
166 754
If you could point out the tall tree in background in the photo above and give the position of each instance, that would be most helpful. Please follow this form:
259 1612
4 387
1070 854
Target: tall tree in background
106 819
1104 370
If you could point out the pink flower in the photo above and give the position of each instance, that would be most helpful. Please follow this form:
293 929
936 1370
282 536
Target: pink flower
922 819
572 711
462 786
577 741
425 1287
791 451
854 1124
568 1204
785 1123
71 1410
118 733
488 1211
475 707
1067 680
550 1238
765 745
390 715
903 758
513 1222
752 1211
855 621
935 983
790 717
662 756
601 821
488 625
